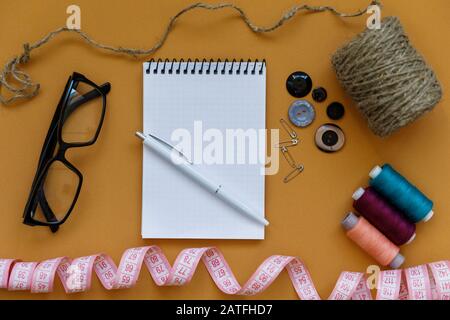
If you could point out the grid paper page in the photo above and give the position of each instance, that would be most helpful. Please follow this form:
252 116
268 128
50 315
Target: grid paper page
173 205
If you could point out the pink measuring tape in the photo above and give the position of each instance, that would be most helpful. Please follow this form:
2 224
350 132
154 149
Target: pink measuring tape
76 275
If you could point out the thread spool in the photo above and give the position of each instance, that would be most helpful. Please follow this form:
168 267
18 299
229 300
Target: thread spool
401 193
382 215
372 241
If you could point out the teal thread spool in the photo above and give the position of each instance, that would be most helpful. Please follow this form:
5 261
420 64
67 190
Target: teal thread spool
401 193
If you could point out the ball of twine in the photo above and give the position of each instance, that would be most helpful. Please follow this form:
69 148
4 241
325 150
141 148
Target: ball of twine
387 78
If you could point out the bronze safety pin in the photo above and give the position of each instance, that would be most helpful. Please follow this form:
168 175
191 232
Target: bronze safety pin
291 176
289 158
291 132
287 143
284 145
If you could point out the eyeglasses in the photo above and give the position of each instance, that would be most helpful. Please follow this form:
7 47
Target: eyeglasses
76 123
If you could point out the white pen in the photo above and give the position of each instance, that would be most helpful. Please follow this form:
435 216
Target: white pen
165 151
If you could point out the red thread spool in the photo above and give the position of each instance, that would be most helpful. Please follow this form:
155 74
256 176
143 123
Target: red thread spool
385 217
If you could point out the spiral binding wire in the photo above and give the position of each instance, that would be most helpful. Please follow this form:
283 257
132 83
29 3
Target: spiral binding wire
205 67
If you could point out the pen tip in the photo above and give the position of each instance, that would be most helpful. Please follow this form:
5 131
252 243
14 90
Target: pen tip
140 135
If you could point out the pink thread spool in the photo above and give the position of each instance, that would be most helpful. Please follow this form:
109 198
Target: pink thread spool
372 241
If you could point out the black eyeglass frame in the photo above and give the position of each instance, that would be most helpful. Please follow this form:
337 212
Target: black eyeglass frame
53 141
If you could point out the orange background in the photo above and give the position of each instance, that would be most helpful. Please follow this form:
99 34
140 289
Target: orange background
304 214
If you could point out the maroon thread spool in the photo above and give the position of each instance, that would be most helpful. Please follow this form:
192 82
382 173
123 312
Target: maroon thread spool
382 215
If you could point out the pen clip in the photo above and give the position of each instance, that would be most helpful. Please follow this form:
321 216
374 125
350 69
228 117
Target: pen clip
168 145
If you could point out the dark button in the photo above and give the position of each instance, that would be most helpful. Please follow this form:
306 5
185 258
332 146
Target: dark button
319 94
330 138
335 111
299 84
302 113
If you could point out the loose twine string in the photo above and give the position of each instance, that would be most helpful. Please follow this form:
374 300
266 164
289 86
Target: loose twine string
25 88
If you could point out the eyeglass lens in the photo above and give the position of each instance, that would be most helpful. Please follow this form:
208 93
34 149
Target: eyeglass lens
60 186
83 114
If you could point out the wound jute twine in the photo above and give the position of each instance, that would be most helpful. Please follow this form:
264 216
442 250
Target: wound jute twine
387 78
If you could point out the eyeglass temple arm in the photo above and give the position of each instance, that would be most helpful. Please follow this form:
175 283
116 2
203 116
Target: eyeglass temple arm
104 88
46 210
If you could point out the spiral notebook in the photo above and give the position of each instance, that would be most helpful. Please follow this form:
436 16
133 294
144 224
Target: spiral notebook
201 98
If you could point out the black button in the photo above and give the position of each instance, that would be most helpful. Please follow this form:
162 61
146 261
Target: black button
299 84
319 94
330 138
335 111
